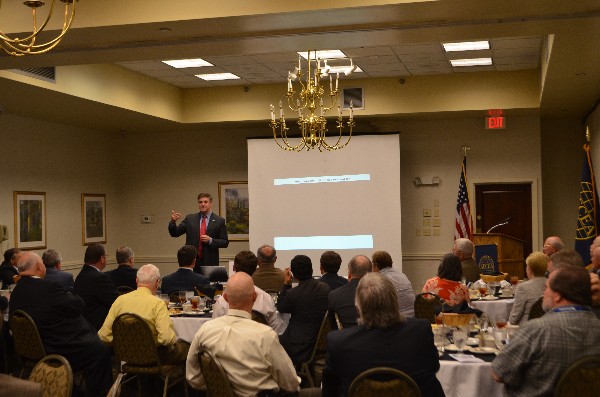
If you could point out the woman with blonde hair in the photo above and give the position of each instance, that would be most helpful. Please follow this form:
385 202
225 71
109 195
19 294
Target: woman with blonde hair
528 292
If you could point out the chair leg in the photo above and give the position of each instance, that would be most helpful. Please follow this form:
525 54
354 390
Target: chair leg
166 386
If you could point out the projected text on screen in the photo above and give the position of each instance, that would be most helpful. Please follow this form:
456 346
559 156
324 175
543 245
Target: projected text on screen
322 179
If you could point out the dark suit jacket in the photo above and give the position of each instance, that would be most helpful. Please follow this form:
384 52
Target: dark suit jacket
408 347
65 279
333 280
182 280
215 228
98 293
307 304
123 275
341 301
7 271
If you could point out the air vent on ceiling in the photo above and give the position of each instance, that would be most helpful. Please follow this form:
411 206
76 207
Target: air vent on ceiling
46 73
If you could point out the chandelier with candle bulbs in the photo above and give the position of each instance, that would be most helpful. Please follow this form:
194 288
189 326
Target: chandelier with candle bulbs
311 103
29 43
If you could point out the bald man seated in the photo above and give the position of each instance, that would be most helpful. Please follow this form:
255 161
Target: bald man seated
262 363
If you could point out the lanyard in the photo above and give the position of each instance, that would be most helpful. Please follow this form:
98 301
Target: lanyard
571 309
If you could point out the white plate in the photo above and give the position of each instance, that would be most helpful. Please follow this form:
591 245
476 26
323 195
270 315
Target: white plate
472 342
490 298
483 350
453 348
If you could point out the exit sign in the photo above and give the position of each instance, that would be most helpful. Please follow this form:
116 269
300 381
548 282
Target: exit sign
495 123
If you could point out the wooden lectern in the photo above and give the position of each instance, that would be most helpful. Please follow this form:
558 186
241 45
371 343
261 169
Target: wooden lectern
510 252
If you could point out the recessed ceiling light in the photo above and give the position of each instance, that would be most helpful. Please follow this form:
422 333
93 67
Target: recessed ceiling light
217 76
188 63
324 54
467 46
471 62
342 69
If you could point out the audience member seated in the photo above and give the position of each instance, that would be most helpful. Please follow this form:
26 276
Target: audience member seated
530 291
564 258
341 301
553 244
595 265
95 288
383 338
382 263
62 327
267 277
145 304
125 273
463 248
245 262
249 352
184 279
330 266
8 268
543 348
53 263
307 304
447 283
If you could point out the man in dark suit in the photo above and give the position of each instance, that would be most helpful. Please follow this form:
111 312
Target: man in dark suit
330 266
184 279
95 288
63 330
204 230
307 304
125 273
8 268
52 261
341 301
383 338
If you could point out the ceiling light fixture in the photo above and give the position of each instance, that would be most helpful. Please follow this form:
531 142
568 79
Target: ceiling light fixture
324 54
471 62
27 45
217 76
188 63
466 46
313 127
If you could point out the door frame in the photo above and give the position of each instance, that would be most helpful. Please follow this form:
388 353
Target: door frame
536 204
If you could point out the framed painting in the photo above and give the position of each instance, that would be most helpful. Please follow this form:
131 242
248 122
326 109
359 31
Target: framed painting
93 215
234 206
30 220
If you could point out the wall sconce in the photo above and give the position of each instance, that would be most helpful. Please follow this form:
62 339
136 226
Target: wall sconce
434 181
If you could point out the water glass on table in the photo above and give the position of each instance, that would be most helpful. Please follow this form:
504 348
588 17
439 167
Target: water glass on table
195 300
501 321
181 297
500 337
459 337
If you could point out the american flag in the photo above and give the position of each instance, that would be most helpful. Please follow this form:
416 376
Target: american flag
464 222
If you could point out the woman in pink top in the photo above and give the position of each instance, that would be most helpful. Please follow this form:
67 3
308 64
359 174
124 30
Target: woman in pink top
447 283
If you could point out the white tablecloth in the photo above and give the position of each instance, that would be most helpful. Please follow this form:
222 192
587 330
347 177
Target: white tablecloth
186 327
494 308
468 379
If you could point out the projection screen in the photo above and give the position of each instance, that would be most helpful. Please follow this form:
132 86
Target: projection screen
306 203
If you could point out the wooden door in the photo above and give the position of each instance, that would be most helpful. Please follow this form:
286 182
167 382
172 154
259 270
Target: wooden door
496 202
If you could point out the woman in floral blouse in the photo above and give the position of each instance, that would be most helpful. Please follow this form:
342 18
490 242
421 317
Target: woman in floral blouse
447 283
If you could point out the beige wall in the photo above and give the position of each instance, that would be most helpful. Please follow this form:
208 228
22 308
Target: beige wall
150 174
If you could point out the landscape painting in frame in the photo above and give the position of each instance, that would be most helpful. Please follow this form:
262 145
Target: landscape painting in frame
30 220
93 212
234 206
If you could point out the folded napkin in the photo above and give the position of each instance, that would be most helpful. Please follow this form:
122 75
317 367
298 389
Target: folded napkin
466 358
504 284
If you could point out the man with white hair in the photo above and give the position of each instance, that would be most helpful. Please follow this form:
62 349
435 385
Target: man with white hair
62 327
463 248
553 244
145 304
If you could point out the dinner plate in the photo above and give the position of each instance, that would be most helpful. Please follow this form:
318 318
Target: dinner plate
490 298
483 350
453 348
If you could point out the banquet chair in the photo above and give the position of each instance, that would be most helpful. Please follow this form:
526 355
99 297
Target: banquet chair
115 389
54 373
217 383
536 310
383 382
427 305
27 341
580 379
259 317
136 349
312 369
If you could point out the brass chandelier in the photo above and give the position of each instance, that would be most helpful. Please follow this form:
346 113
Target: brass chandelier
311 104
27 45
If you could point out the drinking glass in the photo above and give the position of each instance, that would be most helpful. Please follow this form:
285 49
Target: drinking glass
500 321
483 289
195 300
500 338
459 338
483 322
165 298
188 295
182 297
438 340
514 280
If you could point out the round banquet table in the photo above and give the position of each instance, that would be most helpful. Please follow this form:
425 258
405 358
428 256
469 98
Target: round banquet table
468 379
493 308
186 327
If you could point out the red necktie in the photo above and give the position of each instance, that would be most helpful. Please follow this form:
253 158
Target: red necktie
202 232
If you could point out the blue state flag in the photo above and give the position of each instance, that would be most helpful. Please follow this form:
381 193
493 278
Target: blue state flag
587 219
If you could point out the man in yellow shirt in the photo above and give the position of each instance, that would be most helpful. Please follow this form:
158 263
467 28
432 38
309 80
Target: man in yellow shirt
152 309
